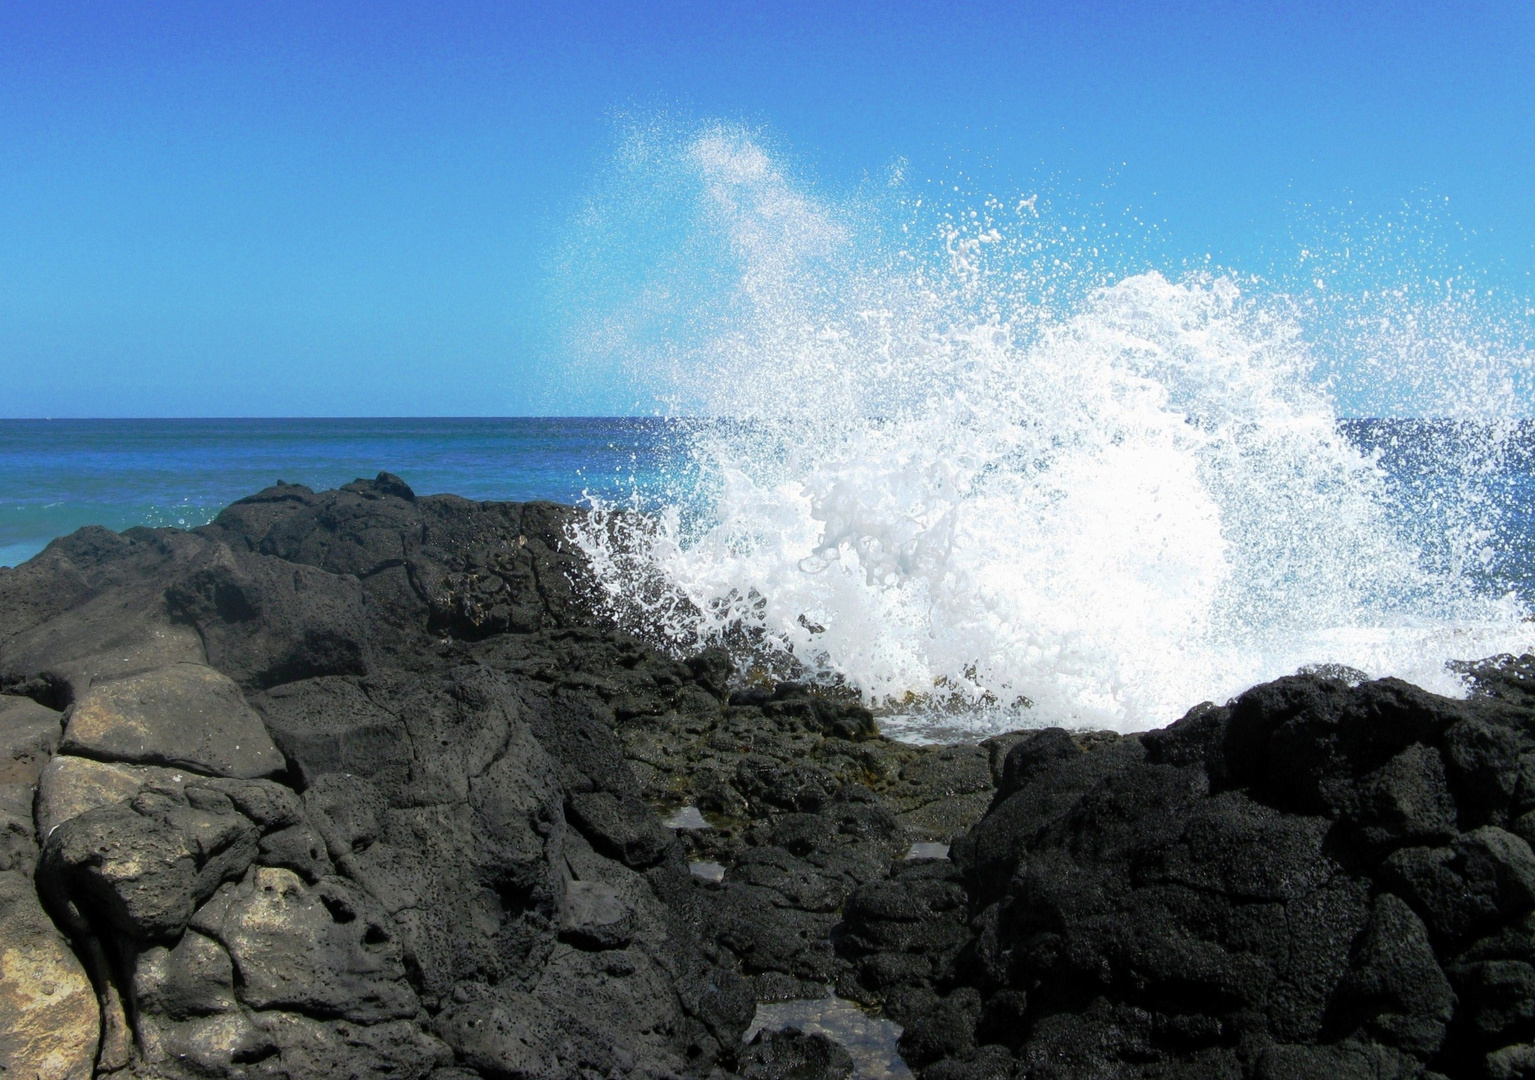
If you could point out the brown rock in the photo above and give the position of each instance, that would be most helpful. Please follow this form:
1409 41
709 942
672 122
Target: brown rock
49 1020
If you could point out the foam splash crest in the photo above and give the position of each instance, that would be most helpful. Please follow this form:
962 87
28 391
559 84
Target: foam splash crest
988 490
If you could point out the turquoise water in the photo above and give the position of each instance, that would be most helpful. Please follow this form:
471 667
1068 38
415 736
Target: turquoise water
57 475
1437 481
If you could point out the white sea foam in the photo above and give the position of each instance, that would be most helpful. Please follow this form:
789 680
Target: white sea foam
987 487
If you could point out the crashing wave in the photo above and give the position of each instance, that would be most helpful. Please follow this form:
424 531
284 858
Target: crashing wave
985 488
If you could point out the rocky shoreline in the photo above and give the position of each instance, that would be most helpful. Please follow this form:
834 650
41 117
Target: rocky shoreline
353 784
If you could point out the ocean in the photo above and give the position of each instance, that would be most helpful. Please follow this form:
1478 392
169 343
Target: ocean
979 462
56 476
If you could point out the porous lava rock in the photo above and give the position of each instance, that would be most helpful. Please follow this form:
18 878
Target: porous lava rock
351 783
1318 878
355 783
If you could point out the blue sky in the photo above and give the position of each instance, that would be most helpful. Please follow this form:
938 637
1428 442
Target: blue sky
351 208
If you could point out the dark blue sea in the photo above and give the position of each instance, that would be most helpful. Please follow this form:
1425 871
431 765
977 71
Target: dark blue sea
57 475
1461 498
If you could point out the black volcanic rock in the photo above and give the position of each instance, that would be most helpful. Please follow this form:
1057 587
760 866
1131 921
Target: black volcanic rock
1314 880
793 1055
416 866
353 783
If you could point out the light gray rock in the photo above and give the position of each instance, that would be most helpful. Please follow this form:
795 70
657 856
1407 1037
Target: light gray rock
299 848
615 991
184 715
201 1045
620 826
69 786
522 1035
185 1008
145 867
596 917
138 872
325 950
1511 1062
303 1048
193 977
108 636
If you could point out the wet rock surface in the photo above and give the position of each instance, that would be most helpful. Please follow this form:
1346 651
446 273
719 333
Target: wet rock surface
352 784
792 1054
